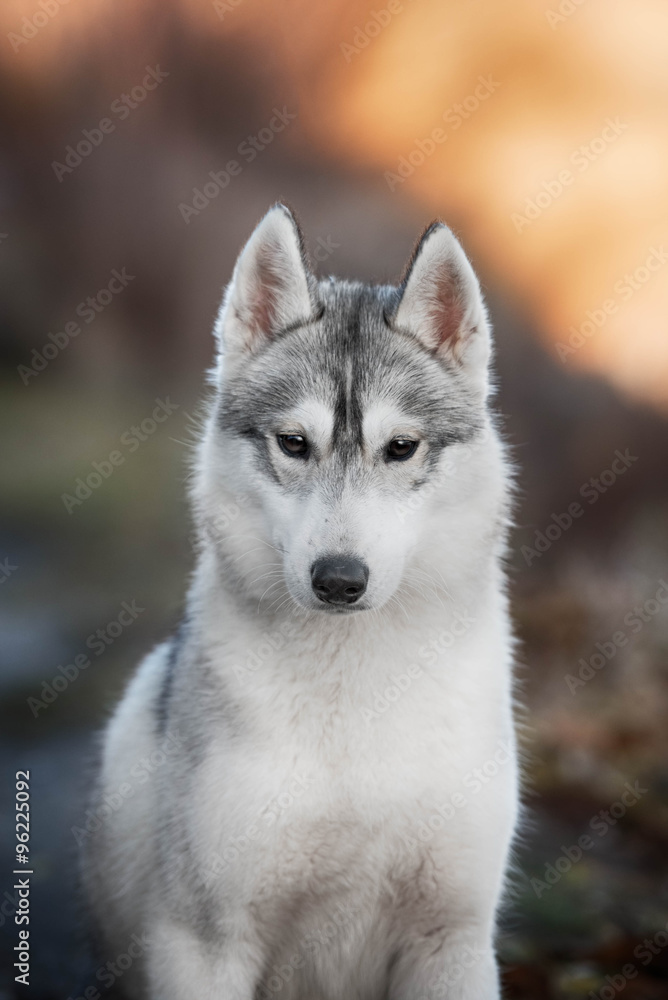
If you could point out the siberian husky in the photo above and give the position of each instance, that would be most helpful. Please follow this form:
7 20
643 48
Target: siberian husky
329 737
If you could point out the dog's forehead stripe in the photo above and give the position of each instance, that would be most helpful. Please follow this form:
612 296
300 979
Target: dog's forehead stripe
348 413
350 360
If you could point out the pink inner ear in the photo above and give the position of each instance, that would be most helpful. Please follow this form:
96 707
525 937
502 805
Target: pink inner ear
268 286
265 302
447 310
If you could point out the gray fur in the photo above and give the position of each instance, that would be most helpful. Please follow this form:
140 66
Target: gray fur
266 693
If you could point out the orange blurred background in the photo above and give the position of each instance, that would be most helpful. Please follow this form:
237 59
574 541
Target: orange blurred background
147 138
373 83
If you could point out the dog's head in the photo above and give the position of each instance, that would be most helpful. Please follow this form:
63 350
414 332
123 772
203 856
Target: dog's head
350 433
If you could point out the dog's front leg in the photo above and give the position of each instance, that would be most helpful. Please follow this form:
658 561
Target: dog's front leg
458 966
181 965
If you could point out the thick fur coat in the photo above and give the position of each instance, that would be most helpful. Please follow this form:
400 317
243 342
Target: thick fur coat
335 786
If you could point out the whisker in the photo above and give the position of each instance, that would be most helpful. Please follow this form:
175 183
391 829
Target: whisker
263 576
270 587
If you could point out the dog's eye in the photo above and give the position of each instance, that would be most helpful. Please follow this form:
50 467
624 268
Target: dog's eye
399 449
294 445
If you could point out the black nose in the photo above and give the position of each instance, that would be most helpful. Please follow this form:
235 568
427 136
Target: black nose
339 579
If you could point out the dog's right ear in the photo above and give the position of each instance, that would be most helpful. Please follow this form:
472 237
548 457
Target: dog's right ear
271 287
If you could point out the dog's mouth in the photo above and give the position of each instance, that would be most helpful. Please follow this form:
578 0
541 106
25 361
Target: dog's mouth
341 609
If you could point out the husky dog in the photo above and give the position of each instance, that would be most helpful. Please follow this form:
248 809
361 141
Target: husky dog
333 775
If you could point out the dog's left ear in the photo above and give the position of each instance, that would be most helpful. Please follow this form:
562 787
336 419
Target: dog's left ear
441 305
271 287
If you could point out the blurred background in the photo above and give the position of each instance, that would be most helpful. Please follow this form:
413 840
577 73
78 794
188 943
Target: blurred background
143 139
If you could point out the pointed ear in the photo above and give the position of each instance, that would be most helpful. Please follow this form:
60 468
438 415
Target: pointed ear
271 286
441 304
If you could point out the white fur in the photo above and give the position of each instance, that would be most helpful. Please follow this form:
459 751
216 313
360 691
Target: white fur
314 821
